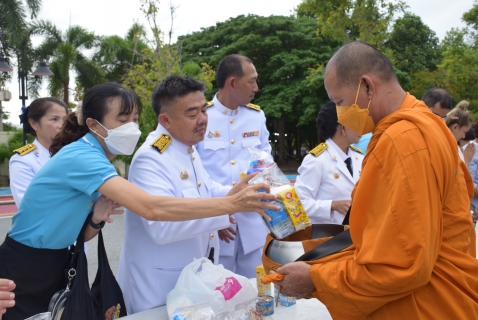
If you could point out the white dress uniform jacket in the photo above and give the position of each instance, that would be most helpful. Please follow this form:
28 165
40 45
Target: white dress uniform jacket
324 178
155 252
228 133
24 167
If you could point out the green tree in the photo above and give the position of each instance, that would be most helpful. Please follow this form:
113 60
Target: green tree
415 47
13 19
14 32
460 63
471 16
152 64
116 55
348 20
66 52
284 49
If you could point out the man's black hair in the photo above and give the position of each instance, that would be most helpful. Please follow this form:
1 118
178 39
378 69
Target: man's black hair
230 66
171 88
434 95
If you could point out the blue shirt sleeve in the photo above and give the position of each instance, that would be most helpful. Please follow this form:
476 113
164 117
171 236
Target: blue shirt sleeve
89 173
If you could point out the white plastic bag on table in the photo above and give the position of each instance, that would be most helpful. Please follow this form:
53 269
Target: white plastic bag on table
202 281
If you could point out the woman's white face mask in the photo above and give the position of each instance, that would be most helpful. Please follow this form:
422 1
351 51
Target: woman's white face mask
123 139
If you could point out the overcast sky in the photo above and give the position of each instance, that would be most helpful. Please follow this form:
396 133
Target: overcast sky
114 17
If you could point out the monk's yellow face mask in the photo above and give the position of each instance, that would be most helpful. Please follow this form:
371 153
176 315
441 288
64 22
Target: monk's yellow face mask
356 119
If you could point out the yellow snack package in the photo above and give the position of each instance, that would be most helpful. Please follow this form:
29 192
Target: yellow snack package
262 289
294 208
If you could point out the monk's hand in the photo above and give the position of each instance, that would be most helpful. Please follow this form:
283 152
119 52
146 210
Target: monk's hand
341 206
250 200
297 281
227 234
7 298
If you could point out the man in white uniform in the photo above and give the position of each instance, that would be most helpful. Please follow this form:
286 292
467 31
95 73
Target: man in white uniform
167 164
234 124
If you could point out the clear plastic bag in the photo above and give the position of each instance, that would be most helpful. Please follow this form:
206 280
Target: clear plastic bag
254 160
200 311
292 216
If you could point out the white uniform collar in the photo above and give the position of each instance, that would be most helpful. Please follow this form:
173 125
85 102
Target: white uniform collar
339 151
41 148
223 109
176 144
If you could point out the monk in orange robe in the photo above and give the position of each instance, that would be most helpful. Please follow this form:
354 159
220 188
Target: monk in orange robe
414 241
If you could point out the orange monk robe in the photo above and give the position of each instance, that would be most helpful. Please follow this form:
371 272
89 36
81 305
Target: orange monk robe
411 226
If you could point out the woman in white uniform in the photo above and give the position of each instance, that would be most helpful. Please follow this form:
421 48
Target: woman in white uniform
329 173
43 120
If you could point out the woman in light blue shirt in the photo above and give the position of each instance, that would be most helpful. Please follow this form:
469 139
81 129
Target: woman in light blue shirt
61 197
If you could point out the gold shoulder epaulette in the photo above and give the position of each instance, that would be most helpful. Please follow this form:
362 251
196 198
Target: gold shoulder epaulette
319 149
25 149
356 149
162 142
253 106
209 104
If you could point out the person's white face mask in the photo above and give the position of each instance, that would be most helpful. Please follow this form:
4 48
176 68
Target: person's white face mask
123 139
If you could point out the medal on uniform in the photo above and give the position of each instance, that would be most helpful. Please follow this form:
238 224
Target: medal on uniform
184 175
336 175
217 134
209 135
250 134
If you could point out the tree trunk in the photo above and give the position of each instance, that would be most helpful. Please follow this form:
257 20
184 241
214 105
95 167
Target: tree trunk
66 92
298 145
282 147
1 116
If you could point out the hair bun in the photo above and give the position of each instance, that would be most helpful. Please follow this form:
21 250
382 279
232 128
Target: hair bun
463 105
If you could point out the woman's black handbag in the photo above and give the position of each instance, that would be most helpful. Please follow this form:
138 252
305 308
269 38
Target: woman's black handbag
104 301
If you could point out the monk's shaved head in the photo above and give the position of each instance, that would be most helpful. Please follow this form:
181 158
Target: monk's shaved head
357 58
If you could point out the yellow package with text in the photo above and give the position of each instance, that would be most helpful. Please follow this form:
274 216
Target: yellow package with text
294 208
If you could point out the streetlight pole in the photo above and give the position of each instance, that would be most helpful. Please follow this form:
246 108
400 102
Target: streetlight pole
42 70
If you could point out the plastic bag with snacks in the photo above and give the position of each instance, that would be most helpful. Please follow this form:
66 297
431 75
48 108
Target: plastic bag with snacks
254 160
201 281
292 216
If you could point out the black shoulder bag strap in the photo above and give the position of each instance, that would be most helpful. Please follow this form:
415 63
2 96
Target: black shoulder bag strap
331 246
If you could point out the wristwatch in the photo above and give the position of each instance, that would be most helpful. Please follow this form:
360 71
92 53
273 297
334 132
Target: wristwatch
94 225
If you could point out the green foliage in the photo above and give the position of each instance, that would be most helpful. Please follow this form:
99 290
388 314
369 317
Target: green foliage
471 17
414 45
66 52
116 55
348 20
152 61
15 142
460 66
13 19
